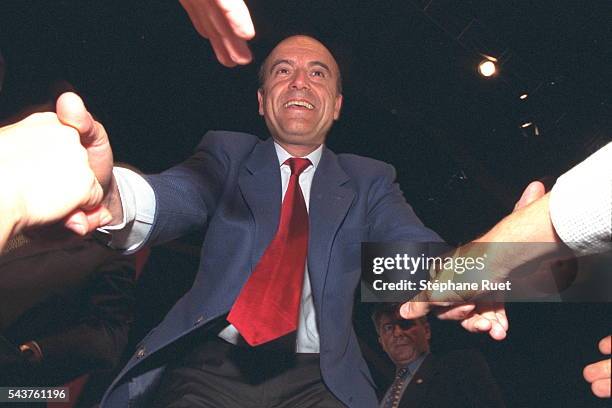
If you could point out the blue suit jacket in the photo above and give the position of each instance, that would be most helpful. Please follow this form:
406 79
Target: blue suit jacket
231 187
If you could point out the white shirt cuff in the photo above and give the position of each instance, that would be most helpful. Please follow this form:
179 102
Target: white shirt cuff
138 203
581 204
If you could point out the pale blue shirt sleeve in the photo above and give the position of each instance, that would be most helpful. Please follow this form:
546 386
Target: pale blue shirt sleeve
138 203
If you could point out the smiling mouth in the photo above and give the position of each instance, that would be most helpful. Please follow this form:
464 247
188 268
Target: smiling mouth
299 104
403 343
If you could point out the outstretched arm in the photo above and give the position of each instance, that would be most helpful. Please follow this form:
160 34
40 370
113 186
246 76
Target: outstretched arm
487 315
577 213
228 26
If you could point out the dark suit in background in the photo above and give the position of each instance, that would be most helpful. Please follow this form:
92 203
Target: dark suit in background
460 379
75 299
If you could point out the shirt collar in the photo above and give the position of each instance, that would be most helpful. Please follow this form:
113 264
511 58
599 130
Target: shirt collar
283 155
414 365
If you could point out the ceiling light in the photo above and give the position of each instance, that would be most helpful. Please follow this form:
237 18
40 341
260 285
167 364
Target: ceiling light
487 68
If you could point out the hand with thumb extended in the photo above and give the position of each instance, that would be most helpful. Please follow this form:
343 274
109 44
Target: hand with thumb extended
71 111
534 191
45 172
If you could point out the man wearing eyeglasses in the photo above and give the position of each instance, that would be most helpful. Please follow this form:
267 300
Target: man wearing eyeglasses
424 379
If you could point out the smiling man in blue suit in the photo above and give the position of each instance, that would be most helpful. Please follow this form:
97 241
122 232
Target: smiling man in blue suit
268 321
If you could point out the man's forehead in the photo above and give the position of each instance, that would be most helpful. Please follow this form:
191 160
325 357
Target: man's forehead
297 47
390 318
395 318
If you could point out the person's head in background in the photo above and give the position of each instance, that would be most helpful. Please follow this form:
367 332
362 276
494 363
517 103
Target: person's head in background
403 340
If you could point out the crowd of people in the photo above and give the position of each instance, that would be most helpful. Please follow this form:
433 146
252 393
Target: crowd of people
268 320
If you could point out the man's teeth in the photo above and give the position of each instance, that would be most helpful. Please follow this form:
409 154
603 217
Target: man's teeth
303 104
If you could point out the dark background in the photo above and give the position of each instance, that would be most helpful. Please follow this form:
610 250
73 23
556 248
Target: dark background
412 98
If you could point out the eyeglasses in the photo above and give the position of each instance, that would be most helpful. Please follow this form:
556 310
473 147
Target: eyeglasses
402 323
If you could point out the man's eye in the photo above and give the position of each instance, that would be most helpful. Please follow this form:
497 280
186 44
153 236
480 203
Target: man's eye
319 74
387 327
282 71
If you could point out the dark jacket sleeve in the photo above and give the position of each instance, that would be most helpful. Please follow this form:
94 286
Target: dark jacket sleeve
390 216
474 380
97 339
186 195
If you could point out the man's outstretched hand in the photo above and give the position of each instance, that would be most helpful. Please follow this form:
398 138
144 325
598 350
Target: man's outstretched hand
227 25
485 316
45 172
71 111
598 374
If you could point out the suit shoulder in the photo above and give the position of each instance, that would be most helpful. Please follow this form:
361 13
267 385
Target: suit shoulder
361 165
228 141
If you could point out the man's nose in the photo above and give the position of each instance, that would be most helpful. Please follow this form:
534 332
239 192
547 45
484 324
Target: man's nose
300 80
397 330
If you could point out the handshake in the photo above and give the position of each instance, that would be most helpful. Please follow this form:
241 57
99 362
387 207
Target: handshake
56 168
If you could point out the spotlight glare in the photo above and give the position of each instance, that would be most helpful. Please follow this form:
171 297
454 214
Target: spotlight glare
487 68
526 124
523 96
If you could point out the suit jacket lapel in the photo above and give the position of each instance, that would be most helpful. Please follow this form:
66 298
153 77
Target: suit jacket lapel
260 185
330 200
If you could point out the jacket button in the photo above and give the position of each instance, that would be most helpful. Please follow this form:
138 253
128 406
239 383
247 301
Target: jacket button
199 320
140 353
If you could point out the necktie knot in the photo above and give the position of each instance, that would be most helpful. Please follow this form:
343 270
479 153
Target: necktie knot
402 373
297 165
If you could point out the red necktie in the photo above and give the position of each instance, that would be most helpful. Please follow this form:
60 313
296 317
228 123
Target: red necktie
269 303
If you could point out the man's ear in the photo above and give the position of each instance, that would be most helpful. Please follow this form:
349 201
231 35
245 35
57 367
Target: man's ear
260 93
338 106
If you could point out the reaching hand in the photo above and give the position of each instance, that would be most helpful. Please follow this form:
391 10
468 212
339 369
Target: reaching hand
228 26
44 175
598 374
486 315
72 112
532 192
